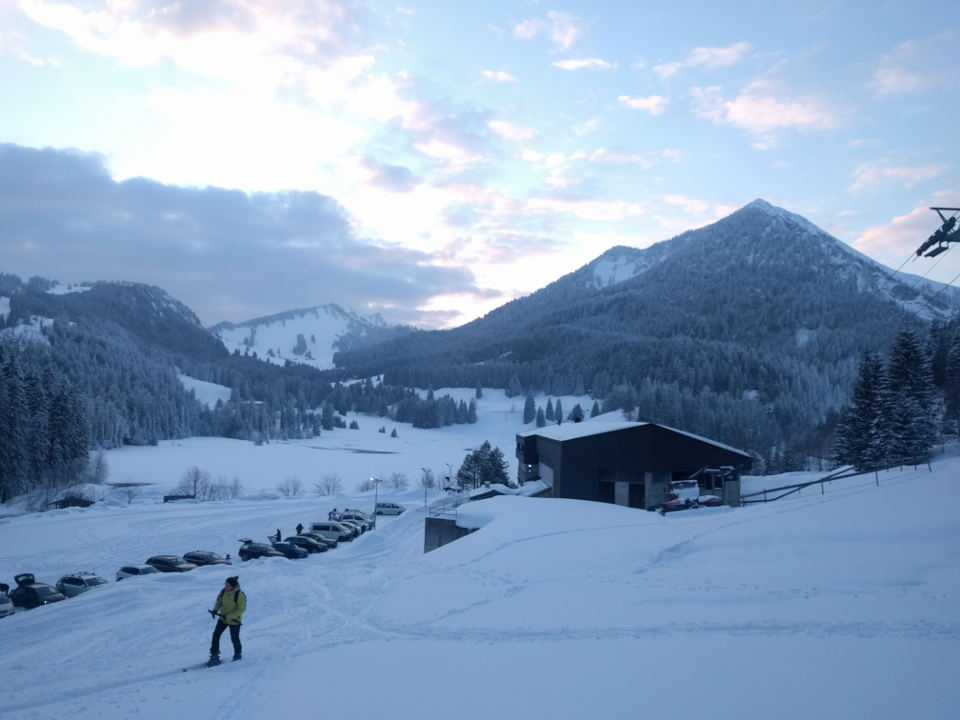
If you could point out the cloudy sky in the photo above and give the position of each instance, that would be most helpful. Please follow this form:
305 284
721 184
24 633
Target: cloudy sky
433 160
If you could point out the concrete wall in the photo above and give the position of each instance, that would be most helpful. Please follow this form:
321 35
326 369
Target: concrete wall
438 531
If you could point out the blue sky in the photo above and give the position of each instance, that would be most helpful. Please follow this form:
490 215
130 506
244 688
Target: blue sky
431 161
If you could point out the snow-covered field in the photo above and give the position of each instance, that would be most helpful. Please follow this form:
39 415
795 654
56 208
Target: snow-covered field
837 605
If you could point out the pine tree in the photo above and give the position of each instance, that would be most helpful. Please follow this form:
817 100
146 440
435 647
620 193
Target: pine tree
858 432
529 409
327 416
558 412
549 413
541 420
914 415
595 410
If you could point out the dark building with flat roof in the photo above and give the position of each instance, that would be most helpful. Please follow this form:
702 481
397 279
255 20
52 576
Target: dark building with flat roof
627 463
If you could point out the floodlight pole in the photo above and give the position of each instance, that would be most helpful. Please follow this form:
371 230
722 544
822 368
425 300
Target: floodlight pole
424 489
376 495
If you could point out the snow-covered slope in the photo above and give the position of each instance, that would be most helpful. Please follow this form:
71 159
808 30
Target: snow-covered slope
836 606
308 337
844 604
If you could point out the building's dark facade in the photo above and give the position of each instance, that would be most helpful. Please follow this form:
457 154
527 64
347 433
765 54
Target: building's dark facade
626 463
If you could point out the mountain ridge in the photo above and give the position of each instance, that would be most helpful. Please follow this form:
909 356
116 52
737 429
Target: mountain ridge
758 315
306 336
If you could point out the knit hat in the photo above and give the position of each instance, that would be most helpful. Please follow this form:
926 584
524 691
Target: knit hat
233 581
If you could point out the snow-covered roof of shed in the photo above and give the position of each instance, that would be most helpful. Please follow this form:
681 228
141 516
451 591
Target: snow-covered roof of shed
572 431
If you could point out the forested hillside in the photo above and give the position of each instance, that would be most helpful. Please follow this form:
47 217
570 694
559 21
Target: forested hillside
98 367
749 331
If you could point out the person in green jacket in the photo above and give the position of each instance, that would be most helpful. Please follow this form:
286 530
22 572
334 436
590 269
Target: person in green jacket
231 602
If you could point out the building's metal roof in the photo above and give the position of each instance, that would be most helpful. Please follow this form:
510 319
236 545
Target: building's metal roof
572 430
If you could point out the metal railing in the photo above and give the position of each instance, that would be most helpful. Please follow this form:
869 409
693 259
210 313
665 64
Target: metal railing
840 473
447 506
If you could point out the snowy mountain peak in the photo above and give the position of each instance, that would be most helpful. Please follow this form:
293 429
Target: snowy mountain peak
308 336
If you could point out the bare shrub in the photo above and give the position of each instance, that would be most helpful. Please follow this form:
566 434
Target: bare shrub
329 484
194 482
398 481
223 489
366 485
131 493
290 487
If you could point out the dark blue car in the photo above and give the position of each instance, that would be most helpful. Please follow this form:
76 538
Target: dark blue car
290 550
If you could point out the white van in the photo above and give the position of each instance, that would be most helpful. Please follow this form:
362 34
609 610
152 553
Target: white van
331 529
388 508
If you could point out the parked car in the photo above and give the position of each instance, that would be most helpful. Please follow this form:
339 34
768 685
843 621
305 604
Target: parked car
170 563
331 529
308 544
6 604
73 585
330 543
685 494
289 550
205 557
355 528
30 594
135 571
362 518
250 550
389 508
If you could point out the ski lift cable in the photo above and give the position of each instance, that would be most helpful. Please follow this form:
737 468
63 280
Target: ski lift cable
931 269
890 277
955 277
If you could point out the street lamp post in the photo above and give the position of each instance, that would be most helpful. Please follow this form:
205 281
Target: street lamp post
376 495
424 489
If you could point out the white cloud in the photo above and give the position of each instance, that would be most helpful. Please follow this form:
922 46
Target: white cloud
606 156
689 205
758 110
717 57
893 76
668 69
510 131
596 210
890 80
708 57
873 176
585 64
903 234
655 104
562 28
588 126
528 29
499 76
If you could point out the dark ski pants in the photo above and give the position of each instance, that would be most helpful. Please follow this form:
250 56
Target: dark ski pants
234 638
